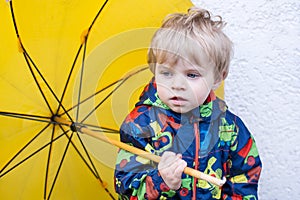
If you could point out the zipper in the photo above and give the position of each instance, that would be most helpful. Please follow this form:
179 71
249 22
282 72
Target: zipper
196 159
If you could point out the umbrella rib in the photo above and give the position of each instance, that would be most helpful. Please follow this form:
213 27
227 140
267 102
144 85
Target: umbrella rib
67 82
79 152
88 155
101 102
105 131
95 94
59 168
24 147
48 162
81 76
95 169
24 52
14 19
115 89
101 129
25 159
76 57
27 58
83 58
60 164
26 116
96 17
48 86
94 172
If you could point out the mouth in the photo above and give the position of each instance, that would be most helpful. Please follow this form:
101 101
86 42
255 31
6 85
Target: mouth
177 98
178 101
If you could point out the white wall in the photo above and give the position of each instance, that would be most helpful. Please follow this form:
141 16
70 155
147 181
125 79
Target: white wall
263 87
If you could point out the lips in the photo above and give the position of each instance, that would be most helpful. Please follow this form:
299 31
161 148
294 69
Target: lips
178 101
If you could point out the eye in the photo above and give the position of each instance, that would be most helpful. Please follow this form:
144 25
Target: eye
166 73
193 75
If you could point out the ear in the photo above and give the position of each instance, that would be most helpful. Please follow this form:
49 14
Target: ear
217 84
219 79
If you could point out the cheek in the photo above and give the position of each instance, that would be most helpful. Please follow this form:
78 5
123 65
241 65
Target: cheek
162 91
163 86
200 92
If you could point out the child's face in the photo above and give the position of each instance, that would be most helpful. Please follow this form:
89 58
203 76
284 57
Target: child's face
184 86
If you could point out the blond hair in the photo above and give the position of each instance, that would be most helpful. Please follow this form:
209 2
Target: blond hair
190 36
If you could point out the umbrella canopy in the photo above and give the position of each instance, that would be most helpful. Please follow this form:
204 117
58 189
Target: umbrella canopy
83 61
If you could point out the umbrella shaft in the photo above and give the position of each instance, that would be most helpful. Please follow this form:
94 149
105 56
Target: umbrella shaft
132 149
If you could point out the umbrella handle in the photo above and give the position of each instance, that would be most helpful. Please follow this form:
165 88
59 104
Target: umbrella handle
137 151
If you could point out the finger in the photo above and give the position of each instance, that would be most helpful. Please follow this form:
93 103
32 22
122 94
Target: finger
168 158
181 165
169 164
172 167
168 153
179 155
171 160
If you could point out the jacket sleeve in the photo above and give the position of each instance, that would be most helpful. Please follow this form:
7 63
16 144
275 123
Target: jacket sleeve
135 176
243 166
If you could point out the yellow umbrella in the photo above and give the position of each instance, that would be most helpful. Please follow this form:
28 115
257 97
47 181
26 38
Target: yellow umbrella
83 61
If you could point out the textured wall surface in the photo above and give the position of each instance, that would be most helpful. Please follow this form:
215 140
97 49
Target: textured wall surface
263 87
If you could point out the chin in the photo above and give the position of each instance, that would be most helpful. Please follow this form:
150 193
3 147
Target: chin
180 110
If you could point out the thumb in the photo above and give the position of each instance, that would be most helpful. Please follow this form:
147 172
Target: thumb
179 155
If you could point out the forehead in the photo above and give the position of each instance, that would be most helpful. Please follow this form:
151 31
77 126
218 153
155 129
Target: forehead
171 46
188 62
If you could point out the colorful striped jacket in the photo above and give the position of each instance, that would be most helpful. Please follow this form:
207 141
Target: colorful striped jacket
225 148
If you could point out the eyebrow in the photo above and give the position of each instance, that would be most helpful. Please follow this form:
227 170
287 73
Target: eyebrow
189 68
166 66
196 68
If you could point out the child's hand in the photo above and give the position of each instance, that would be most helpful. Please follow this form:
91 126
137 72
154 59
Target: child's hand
170 168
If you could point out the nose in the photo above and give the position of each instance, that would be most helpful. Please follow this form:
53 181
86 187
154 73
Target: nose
178 83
